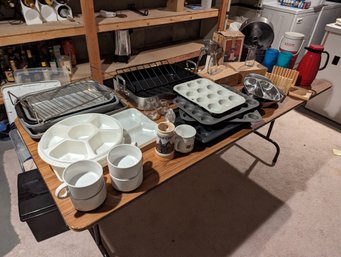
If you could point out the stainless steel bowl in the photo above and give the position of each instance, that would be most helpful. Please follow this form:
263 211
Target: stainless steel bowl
262 89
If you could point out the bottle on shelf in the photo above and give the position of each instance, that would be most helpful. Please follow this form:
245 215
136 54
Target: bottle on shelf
2 66
70 50
23 60
9 73
30 60
53 60
13 65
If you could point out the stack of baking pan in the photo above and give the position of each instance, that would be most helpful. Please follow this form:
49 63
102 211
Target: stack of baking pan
213 109
40 110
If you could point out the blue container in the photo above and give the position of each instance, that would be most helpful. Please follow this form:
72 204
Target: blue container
284 59
270 59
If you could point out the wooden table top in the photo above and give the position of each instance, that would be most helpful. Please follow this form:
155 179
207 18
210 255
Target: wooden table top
155 171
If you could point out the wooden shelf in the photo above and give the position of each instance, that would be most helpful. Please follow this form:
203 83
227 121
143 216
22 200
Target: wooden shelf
22 33
155 17
174 53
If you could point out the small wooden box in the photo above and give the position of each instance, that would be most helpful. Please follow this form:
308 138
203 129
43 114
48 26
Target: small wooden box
175 5
244 70
225 75
232 44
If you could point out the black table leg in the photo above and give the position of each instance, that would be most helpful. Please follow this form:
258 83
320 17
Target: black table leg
267 137
94 231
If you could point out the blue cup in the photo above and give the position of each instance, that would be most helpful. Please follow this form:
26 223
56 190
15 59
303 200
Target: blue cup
284 59
271 55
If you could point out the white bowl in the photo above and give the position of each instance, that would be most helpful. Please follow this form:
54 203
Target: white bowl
127 185
92 202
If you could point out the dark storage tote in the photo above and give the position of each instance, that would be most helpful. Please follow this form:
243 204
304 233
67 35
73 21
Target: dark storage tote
37 208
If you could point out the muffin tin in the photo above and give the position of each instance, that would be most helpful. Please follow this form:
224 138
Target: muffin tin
208 134
253 116
81 137
262 88
209 95
240 114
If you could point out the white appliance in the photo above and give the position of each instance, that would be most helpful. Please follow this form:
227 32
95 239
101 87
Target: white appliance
328 103
285 19
329 13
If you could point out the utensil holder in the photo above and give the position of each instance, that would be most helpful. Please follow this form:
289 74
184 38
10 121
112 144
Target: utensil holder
292 90
31 15
281 82
47 12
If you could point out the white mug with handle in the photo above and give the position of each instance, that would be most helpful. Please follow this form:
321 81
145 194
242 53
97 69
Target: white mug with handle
82 180
185 137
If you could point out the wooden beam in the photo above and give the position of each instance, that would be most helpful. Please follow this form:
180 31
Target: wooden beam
90 26
222 15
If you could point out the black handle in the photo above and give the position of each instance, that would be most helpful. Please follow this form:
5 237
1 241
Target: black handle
325 65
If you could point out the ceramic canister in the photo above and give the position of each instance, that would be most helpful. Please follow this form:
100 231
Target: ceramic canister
165 140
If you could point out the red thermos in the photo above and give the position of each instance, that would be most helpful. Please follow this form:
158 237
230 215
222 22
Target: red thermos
310 64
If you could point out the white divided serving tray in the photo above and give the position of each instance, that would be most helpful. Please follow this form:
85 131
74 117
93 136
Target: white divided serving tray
209 95
80 137
136 127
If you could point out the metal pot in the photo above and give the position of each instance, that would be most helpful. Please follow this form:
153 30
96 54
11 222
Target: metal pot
258 32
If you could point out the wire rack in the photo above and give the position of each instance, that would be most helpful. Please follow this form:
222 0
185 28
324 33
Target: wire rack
53 103
152 75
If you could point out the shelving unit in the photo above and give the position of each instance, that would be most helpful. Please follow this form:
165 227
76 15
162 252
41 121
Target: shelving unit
22 33
89 24
155 17
174 53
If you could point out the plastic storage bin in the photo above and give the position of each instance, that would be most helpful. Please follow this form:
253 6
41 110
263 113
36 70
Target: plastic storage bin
37 208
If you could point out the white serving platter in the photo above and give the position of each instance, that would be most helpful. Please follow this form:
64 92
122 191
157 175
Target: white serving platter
209 95
136 127
81 137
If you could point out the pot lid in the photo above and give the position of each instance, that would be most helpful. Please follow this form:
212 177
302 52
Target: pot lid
257 31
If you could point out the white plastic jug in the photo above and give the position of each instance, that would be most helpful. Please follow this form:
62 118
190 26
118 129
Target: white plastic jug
292 42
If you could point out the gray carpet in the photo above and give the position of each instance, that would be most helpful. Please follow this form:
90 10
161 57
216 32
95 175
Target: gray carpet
233 203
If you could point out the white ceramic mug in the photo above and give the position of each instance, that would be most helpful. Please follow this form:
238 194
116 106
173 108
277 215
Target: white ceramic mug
82 180
185 137
125 161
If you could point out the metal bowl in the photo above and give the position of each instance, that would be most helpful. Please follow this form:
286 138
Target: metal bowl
262 89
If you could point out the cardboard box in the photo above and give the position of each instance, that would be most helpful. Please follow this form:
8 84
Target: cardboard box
175 5
225 75
244 70
232 44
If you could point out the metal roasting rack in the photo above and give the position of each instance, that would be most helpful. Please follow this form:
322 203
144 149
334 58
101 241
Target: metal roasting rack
53 103
151 75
